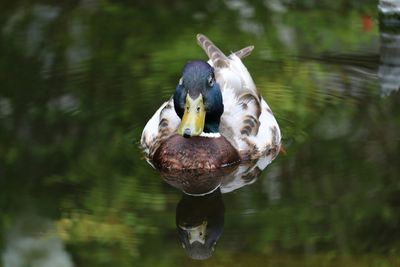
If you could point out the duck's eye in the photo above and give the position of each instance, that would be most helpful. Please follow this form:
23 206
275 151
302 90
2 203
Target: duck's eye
181 81
211 80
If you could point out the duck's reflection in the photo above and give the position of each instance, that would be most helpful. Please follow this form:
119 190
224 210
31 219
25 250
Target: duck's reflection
200 222
200 212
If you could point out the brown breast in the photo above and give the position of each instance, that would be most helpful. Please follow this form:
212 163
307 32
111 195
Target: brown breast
196 152
197 181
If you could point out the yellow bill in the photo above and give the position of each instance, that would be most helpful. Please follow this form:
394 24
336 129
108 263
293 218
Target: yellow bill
193 119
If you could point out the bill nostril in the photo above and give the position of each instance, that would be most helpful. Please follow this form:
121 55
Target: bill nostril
187 133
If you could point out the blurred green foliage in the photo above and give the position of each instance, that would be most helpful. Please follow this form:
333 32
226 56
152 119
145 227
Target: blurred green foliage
79 80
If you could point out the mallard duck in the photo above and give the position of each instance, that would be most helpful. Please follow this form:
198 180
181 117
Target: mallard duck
215 118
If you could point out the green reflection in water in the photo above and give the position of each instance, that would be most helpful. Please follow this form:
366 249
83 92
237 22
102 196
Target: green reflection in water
79 81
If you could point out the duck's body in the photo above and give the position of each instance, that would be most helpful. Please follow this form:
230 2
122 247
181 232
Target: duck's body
216 101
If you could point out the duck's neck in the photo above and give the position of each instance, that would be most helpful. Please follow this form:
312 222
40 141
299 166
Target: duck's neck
211 127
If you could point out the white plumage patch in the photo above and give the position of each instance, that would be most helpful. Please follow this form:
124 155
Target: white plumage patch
210 135
163 123
150 131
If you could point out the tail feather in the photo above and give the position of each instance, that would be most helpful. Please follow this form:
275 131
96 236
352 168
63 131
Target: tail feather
244 52
217 56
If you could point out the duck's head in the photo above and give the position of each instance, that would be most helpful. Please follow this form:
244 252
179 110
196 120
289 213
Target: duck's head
198 100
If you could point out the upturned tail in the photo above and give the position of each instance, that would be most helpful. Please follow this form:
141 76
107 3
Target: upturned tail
218 58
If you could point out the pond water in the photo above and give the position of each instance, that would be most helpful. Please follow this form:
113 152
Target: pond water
80 79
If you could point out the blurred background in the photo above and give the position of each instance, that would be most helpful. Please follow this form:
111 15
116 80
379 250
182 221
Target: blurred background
80 79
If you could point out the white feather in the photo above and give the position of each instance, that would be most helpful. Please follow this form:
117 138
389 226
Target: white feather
268 123
236 81
210 135
152 129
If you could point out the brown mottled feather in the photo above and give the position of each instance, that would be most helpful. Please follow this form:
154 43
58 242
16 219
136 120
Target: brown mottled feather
197 181
250 123
210 153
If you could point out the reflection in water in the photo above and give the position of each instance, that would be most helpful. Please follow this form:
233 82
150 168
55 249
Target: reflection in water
200 213
200 222
389 70
32 242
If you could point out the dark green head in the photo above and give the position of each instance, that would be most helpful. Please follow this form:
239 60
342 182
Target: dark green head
198 100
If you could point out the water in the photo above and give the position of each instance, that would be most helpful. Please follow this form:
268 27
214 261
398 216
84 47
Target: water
79 80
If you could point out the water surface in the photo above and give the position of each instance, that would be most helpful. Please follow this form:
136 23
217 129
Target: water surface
80 79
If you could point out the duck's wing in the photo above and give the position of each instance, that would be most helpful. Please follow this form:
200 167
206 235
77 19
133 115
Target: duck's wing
163 123
247 121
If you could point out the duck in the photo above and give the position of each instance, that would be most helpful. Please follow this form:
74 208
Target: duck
215 118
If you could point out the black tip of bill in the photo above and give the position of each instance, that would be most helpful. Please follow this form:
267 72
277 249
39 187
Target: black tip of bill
187 133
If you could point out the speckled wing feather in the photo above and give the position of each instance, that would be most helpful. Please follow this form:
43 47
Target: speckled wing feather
247 121
161 126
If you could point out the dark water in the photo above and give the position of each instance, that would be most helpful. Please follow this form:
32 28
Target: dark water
79 80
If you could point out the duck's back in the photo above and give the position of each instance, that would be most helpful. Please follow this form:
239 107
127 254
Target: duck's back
247 121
